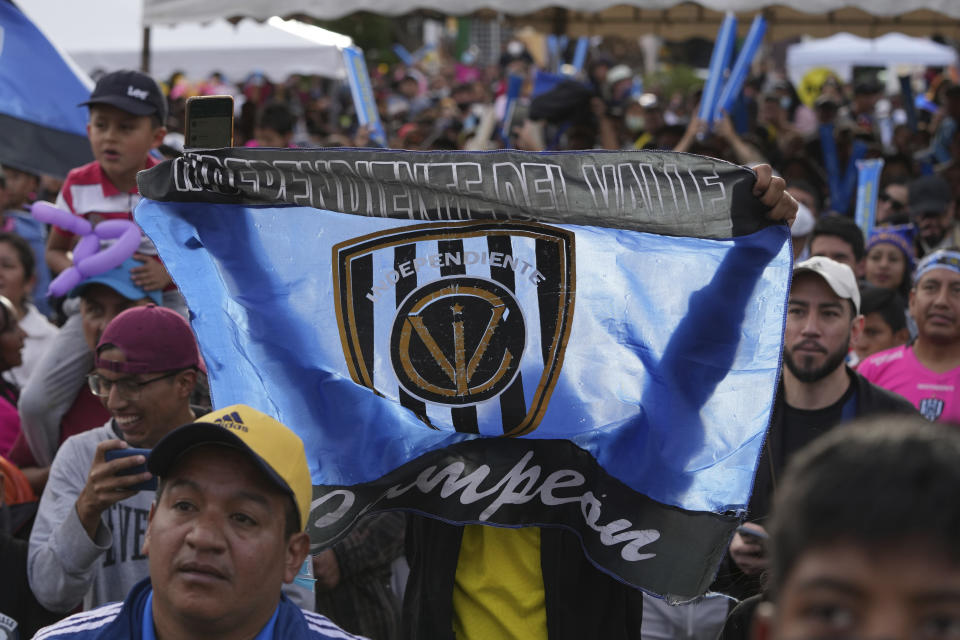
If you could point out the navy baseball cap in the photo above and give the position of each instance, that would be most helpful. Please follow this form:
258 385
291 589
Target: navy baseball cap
131 91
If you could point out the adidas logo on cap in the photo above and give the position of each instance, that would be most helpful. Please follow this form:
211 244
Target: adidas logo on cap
232 421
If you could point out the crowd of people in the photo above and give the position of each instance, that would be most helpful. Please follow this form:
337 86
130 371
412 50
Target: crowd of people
100 391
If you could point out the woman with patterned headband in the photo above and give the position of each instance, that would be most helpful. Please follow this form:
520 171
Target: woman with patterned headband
927 372
890 259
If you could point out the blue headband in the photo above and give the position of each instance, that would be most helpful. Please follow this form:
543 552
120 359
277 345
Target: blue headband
900 236
942 259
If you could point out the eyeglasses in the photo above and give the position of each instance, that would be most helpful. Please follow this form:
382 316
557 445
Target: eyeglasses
895 205
126 387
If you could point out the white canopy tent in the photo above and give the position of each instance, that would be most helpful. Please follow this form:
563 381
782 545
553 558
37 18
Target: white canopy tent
844 51
107 34
176 11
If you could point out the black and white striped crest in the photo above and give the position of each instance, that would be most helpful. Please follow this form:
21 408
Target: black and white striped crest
463 323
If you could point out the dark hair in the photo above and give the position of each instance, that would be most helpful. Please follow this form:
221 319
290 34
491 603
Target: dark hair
24 252
8 315
276 116
25 255
845 229
291 515
873 482
887 302
810 188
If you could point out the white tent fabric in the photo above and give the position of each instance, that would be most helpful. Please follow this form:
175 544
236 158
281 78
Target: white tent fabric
844 51
177 11
107 34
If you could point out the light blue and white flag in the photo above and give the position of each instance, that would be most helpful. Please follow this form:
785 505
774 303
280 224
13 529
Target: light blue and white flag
585 340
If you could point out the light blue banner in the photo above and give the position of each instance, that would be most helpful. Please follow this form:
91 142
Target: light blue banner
667 376
868 185
719 62
580 54
362 92
582 340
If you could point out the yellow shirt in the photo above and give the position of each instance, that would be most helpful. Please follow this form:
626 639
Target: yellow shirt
498 588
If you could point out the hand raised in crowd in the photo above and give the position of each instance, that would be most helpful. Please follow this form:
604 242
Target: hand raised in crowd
748 551
104 487
530 136
362 137
723 127
771 190
598 107
152 276
326 570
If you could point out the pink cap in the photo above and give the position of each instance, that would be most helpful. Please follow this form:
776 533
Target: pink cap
152 338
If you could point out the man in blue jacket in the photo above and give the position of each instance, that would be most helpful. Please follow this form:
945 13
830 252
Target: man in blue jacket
226 531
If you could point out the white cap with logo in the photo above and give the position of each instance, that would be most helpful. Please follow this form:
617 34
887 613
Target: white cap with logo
838 277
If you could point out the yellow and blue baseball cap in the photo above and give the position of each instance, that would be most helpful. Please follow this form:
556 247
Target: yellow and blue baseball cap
272 446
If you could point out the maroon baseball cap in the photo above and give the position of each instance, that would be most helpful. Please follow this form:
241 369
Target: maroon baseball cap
152 338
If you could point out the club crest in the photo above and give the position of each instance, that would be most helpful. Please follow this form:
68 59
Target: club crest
464 323
931 408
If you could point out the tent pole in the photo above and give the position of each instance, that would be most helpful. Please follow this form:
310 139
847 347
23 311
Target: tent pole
145 51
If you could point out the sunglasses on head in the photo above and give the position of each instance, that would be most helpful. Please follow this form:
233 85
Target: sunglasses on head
895 205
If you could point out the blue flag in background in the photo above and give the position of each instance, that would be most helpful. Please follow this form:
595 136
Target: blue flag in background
42 130
362 91
588 340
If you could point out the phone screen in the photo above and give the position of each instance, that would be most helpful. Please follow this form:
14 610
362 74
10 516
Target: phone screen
209 122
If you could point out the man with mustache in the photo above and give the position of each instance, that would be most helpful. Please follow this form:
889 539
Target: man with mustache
817 391
927 372
225 533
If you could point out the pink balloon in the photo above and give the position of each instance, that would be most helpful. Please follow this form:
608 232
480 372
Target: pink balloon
46 212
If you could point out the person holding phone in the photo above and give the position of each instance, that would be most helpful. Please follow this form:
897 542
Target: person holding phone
226 535
87 538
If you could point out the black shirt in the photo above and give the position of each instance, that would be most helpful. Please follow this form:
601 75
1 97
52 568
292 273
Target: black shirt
802 426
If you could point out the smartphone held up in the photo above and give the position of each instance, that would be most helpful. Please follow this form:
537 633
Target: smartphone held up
209 122
146 485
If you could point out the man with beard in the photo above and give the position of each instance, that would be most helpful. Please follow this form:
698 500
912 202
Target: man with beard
817 391
932 211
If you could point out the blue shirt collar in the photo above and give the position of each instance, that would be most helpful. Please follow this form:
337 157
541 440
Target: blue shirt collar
147 632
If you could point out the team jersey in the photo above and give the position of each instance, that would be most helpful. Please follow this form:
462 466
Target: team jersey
933 394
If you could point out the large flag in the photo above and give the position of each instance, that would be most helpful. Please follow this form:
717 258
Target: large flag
584 340
42 130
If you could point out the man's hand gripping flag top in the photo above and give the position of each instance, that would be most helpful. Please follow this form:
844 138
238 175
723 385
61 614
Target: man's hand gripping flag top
582 340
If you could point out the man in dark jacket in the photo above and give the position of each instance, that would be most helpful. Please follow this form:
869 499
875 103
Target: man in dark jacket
817 391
